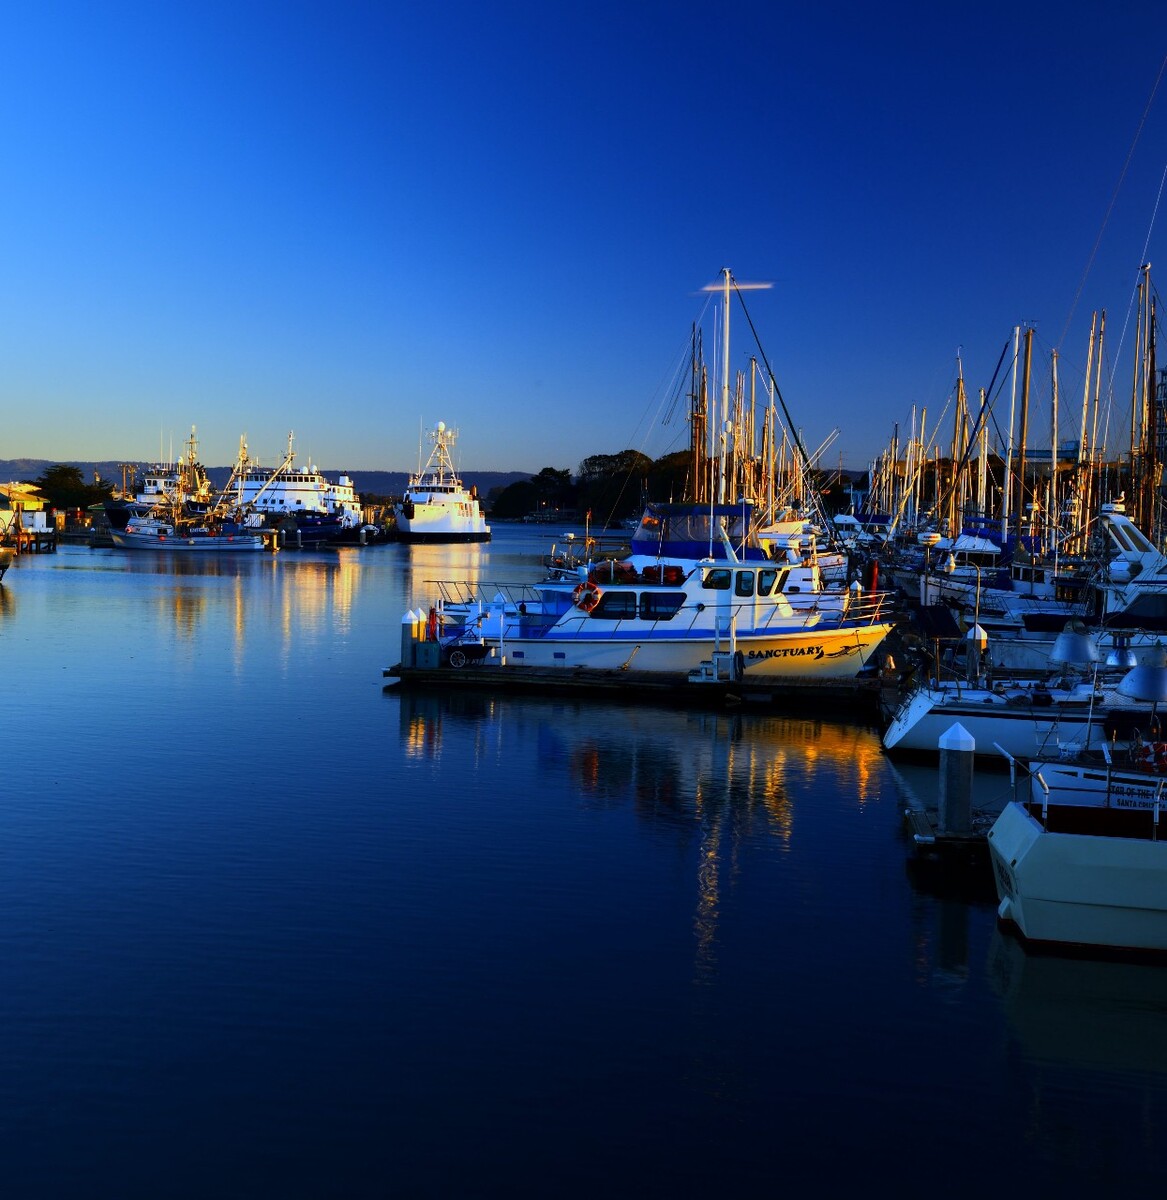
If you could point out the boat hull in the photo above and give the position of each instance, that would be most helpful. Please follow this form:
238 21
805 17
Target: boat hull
1098 785
1074 889
235 543
1023 727
441 535
457 521
814 654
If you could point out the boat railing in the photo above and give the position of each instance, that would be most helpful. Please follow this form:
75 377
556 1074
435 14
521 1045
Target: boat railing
869 608
474 609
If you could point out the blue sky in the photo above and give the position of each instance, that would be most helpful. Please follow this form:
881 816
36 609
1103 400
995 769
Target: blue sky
352 220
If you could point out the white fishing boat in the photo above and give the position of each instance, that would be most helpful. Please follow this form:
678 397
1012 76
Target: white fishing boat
685 596
165 484
436 506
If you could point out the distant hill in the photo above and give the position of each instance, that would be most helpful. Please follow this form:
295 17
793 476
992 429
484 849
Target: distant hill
372 483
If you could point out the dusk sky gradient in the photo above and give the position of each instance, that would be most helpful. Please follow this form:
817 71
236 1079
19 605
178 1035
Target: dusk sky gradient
353 220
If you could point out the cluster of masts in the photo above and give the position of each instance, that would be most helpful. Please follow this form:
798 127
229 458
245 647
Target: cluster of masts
1005 482
748 450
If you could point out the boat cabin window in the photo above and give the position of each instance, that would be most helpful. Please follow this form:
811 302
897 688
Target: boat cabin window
717 579
744 583
660 606
766 579
616 606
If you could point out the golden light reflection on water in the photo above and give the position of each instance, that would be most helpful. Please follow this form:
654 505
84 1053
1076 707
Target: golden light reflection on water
713 778
292 596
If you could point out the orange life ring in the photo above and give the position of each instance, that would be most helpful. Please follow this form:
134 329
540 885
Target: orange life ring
586 596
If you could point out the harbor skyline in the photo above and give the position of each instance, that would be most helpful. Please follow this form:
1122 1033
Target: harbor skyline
353 223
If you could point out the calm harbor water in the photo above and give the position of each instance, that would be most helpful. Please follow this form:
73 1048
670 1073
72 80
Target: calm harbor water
271 930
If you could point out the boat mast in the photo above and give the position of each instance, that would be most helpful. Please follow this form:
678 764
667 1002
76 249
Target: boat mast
1007 488
1024 432
1051 515
724 424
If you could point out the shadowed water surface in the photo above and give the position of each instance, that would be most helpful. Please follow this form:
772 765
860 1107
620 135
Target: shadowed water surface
270 931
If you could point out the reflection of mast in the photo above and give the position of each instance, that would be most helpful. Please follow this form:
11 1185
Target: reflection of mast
708 884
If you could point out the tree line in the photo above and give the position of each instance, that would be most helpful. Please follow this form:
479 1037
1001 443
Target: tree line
614 487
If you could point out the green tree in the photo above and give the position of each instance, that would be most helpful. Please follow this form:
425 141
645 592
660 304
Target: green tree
64 486
514 501
612 486
668 477
554 488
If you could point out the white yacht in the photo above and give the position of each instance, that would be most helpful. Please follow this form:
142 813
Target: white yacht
436 506
696 590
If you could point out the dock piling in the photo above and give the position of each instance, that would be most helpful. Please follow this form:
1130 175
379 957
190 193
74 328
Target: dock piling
957 749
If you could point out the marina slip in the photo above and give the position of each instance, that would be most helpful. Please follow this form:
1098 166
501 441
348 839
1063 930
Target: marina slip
273 929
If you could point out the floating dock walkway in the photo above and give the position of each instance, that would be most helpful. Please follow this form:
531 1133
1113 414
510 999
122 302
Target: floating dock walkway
860 696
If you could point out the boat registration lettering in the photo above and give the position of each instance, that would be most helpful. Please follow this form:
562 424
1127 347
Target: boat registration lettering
815 652
1129 796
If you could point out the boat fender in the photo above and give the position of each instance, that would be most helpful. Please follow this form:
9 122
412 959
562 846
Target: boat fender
739 665
431 628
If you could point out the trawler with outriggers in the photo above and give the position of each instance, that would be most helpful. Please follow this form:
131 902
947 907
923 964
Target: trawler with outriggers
436 506
183 480
298 501
179 512
696 589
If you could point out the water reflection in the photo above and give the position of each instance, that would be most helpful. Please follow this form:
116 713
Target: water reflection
289 596
424 566
670 765
709 784
1082 1012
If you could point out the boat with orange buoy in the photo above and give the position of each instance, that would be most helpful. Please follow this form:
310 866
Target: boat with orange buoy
695 588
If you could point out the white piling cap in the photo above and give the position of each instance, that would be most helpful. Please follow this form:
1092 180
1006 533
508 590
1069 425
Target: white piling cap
978 635
410 618
956 737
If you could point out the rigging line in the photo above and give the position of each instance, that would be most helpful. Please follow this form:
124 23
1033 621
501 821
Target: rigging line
1154 213
1113 198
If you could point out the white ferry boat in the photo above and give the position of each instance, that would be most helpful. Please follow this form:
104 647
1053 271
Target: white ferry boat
436 506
